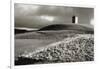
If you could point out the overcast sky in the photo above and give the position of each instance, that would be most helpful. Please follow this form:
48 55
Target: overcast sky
37 16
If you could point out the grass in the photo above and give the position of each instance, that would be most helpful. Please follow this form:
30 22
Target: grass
79 47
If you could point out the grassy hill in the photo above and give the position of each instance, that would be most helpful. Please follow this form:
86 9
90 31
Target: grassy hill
71 49
66 27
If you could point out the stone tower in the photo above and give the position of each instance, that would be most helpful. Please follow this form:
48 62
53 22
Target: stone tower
75 19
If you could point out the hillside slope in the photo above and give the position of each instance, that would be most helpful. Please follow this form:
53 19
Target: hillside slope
71 49
66 27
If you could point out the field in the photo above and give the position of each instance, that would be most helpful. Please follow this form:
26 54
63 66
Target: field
53 46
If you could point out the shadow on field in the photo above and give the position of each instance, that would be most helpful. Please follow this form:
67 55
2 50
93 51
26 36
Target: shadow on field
25 61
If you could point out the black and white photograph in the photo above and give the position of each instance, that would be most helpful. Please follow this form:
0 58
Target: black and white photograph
45 34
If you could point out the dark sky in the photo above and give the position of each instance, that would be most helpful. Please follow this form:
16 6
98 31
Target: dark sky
37 16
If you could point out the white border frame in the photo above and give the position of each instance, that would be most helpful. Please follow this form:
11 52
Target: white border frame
46 2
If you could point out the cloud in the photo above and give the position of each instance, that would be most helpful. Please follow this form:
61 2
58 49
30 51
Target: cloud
30 15
49 18
23 9
92 22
